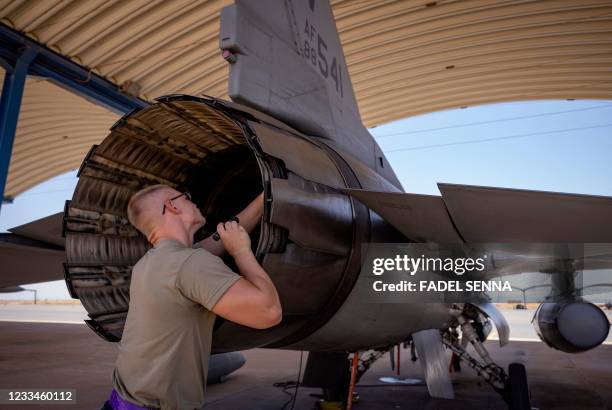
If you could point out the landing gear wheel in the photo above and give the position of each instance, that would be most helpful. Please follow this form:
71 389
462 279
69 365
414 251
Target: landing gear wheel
517 390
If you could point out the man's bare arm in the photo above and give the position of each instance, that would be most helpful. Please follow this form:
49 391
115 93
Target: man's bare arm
252 301
249 218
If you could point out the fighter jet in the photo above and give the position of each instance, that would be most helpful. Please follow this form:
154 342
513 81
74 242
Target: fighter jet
293 130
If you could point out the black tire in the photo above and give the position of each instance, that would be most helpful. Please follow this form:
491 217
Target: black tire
517 390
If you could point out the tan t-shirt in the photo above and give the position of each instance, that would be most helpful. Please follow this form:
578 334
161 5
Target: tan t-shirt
164 350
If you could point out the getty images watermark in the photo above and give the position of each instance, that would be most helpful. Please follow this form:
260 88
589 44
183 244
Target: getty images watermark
498 272
410 265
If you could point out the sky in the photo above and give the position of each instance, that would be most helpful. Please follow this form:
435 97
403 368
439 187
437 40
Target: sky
561 146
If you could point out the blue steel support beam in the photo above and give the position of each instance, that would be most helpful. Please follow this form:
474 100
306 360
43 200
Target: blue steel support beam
66 73
10 104
15 49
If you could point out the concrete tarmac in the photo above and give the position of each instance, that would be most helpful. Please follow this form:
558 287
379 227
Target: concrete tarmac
43 313
519 320
61 355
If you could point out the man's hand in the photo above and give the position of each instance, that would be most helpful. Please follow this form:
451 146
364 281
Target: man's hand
249 218
235 238
253 300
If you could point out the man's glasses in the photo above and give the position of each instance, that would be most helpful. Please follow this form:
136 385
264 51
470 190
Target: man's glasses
187 195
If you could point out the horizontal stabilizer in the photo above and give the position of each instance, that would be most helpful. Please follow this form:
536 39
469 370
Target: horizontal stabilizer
47 229
421 218
12 289
29 261
33 252
520 230
485 214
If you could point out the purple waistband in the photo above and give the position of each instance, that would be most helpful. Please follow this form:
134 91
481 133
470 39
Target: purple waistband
119 403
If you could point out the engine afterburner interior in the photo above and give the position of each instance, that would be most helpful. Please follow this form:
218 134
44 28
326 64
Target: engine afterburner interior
181 141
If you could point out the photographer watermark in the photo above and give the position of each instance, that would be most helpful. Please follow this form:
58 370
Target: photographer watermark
502 273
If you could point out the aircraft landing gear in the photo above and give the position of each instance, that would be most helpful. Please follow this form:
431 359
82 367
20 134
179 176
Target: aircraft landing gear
512 386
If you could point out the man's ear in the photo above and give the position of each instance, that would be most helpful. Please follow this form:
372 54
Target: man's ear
171 208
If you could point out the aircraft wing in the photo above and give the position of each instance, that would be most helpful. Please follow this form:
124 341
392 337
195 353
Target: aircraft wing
33 252
525 230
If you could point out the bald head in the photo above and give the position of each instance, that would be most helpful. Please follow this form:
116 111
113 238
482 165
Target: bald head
145 207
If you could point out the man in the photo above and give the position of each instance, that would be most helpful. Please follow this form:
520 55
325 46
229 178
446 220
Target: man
176 291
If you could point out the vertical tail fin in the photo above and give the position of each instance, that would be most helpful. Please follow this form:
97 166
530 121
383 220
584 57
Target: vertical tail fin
286 60
289 62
